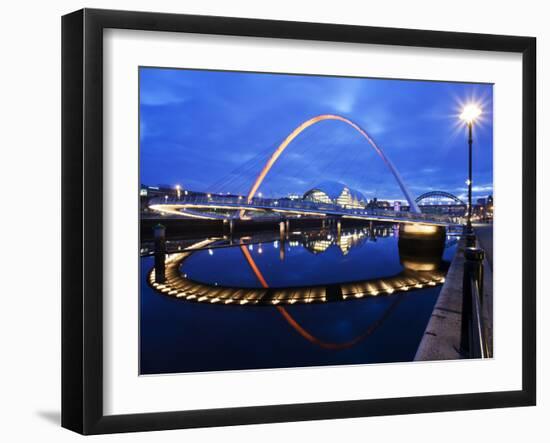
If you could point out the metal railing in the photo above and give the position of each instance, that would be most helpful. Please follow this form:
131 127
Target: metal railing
474 341
299 205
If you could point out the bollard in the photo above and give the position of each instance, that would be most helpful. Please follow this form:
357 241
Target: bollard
473 269
160 253
474 259
470 240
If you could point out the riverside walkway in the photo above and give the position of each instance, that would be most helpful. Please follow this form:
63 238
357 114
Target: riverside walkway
441 339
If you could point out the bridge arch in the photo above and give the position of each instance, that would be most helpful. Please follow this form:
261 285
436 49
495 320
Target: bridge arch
281 148
444 194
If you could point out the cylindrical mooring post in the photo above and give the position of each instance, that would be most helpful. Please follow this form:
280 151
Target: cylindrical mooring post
470 240
469 236
474 261
473 273
160 252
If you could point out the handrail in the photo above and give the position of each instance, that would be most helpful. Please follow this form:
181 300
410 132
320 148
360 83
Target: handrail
474 332
479 345
275 204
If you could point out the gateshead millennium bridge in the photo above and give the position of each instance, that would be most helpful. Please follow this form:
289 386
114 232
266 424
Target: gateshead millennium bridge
208 206
204 207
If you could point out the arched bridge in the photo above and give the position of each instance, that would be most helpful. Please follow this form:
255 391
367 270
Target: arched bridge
312 121
208 208
205 208
440 194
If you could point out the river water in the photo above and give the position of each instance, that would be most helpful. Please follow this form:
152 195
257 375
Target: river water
179 335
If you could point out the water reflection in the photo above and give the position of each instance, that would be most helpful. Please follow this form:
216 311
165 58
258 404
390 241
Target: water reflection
332 273
377 282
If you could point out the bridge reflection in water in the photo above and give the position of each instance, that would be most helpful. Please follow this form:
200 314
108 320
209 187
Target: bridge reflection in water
420 255
416 269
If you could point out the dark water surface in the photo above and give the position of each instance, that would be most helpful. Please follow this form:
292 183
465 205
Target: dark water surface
182 336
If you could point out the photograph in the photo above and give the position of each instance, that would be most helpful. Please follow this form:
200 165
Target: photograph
300 220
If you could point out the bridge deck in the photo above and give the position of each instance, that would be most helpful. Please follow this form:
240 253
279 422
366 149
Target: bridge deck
192 208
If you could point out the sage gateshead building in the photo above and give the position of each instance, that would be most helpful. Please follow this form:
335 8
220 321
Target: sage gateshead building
336 193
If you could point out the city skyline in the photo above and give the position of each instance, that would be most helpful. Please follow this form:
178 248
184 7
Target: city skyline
212 131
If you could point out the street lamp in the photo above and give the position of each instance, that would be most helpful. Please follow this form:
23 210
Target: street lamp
178 191
469 115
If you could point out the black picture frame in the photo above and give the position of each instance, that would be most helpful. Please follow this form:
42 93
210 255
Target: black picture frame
82 215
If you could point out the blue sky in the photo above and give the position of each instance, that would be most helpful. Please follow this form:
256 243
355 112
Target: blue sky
213 131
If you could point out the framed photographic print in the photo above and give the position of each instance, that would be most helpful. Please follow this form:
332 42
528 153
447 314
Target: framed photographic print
269 221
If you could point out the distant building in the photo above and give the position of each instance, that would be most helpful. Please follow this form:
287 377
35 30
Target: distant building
379 204
337 194
483 210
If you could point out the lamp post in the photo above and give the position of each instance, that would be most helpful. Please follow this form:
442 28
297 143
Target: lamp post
469 114
178 191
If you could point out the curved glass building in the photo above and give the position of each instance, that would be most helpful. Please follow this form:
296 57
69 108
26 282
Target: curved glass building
336 193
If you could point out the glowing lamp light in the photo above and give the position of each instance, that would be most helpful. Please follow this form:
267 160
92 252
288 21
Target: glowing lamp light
470 113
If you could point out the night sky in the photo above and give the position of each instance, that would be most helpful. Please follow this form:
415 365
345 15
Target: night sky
212 131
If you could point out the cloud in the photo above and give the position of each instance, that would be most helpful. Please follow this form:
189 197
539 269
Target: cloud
160 97
198 126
